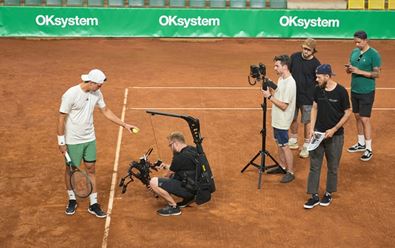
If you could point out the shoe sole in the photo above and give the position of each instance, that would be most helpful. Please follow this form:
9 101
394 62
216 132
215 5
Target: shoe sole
311 206
325 204
175 214
303 156
367 159
98 216
293 147
354 151
72 213
288 181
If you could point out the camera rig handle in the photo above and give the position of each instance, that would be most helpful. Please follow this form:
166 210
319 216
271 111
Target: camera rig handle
194 126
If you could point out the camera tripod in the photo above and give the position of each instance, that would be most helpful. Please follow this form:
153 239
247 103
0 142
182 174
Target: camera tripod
263 152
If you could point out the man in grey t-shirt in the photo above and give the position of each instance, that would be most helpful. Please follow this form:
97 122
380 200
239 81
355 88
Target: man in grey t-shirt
76 132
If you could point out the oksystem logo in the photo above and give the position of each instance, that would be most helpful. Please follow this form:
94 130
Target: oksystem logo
63 22
199 21
295 21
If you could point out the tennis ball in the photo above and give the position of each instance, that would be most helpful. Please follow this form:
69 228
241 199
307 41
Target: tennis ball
135 130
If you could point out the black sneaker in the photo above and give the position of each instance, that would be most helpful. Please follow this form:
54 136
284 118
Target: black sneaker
312 202
289 177
185 202
367 155
326 199
169 210
96 210
357 148
276 170
71 207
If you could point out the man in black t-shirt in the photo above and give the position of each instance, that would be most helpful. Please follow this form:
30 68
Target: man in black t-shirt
181 174
303 65
331 109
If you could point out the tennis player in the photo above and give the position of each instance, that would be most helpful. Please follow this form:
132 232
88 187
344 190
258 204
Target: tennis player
76 132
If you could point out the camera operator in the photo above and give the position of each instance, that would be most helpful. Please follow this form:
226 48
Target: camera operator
180 177
283 109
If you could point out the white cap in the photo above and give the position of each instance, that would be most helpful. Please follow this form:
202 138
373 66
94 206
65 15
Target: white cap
95 75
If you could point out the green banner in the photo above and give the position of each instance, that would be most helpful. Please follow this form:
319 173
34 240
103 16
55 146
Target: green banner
154 22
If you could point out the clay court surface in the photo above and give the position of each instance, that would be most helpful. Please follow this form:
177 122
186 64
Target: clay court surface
34 75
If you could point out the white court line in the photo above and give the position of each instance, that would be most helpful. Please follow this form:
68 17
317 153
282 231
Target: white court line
114 174
193 88
229 109
212 88
197 109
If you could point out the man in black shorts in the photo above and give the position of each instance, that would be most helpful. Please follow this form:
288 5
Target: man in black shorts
364 67
180 176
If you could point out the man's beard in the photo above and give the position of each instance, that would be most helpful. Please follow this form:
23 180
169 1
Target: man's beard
323 85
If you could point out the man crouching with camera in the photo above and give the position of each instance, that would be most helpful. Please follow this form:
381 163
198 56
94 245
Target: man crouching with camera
180 176
283 108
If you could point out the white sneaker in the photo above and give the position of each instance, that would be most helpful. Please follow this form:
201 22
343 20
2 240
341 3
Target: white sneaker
304 153
293 145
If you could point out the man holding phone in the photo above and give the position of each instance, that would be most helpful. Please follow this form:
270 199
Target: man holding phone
364 68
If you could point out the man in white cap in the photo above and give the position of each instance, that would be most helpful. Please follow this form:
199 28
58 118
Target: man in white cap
76 132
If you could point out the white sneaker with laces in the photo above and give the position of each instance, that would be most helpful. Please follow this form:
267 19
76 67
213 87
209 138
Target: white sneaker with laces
293 145
304 153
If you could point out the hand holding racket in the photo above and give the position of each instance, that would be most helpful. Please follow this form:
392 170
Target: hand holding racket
79 180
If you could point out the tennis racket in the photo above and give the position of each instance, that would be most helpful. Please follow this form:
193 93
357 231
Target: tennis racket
79 180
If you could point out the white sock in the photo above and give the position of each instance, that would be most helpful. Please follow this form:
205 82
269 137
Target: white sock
93 198
71 195
293 140
306 143
369 144
361 139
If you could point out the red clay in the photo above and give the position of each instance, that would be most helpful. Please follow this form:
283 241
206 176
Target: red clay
35 73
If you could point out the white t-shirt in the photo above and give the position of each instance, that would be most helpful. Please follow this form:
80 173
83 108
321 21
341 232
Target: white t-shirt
79 106
285 92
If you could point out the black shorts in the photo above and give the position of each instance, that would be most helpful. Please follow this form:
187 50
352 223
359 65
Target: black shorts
362 103
174 187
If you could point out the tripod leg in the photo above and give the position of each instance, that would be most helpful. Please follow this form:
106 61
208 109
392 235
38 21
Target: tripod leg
276 164
262 168
251 162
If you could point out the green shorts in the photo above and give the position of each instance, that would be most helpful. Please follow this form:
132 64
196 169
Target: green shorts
85 151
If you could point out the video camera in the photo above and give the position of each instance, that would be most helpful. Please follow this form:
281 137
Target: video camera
258 72
140 170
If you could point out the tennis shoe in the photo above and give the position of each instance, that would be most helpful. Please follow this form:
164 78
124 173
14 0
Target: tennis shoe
304 153
71 207
312 202
169 210
185 202
293 145
367 155
96 210
357 148
288 177
326 199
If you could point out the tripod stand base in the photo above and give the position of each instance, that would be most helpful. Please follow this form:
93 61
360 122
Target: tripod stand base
262 167
275 170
